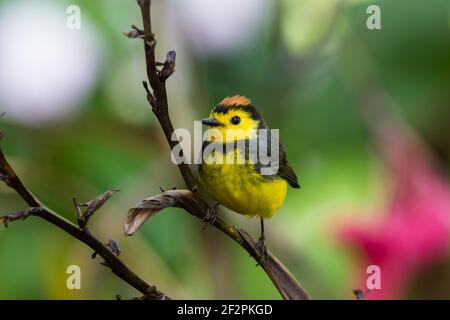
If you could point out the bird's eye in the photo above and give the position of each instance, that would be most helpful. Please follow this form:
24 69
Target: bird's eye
235 120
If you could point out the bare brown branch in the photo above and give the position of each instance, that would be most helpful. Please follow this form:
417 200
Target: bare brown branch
108 253
186 199
288 287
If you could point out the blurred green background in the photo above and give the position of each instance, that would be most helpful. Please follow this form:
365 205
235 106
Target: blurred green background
77 123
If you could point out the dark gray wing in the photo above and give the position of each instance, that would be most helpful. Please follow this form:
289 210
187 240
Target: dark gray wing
285 171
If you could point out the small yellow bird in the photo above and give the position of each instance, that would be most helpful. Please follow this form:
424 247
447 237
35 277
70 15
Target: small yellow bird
240 185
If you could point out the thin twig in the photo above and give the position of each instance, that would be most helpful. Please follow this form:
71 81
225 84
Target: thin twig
91 207
157 80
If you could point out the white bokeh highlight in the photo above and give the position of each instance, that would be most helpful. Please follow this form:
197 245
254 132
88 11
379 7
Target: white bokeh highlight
46 70
219 27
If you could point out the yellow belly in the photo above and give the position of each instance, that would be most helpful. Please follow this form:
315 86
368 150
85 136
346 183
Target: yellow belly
240 188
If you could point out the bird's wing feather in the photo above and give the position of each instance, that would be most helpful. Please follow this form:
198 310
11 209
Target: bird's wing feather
285 171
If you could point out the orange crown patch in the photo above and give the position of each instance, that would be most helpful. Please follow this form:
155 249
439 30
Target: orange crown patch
235 101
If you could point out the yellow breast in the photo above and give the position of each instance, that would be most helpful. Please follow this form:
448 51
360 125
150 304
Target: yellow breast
240 188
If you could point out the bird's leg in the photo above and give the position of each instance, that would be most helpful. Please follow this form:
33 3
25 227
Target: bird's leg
211 216
261 245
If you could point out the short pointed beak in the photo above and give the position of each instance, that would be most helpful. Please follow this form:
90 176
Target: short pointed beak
211 122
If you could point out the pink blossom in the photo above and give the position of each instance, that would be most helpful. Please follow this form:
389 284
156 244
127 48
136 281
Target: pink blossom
414 231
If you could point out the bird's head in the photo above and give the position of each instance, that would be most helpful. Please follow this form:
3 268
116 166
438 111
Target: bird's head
234 118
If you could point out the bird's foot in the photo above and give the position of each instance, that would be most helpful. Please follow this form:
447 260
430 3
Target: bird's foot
261 249
211 216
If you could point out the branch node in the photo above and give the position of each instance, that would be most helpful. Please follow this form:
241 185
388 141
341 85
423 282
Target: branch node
361 295
91 207
169 66
20 215
113 246
210 216
78 209
5 178
151 42
150 97
153 294
135 33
